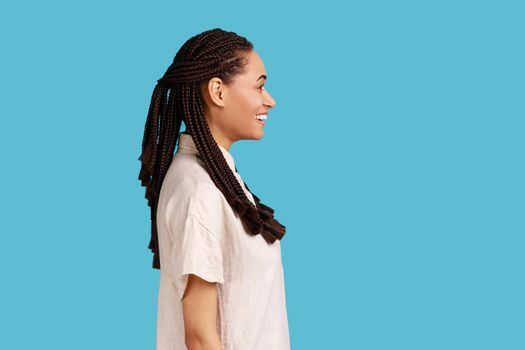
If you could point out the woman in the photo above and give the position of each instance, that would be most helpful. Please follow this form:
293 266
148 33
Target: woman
216 245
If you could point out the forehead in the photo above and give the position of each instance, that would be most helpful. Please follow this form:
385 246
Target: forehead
255 65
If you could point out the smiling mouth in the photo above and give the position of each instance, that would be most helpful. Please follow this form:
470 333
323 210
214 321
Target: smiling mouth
261 118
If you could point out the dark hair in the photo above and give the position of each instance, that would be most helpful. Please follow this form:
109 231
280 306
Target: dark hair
177 97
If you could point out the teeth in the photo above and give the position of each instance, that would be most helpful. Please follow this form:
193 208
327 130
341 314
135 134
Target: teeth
261 116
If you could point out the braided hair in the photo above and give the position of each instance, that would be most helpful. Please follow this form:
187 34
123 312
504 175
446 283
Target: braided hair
177 97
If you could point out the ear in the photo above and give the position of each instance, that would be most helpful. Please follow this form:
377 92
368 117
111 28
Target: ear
216 91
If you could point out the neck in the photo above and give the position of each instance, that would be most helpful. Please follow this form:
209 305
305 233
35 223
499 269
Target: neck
220 138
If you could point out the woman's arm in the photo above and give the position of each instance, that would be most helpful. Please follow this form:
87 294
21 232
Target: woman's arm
199 306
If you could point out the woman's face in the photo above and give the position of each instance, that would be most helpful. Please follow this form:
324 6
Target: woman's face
231 110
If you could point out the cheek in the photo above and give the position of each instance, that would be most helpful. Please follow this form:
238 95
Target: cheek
246 106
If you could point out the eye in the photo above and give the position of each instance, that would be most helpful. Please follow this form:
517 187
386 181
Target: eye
260 88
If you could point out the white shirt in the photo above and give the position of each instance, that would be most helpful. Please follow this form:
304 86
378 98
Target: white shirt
199 233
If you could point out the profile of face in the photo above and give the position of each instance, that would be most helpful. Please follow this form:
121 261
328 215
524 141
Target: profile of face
231 109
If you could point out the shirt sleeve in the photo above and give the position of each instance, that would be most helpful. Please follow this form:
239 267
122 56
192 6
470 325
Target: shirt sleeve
198 252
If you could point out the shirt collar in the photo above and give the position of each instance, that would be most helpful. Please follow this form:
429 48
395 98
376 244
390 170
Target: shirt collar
186 143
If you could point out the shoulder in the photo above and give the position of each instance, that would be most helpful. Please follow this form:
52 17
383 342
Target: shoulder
188 190
198 198
200 208
186 177
208 204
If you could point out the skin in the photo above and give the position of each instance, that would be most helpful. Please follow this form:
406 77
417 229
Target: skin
230 109
199 307
230 112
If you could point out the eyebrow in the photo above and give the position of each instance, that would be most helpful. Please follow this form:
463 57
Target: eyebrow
262 77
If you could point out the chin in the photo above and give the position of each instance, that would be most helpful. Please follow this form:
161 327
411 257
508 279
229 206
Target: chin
259 135
255 134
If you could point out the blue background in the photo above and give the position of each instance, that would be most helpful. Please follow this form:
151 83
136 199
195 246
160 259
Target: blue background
394 157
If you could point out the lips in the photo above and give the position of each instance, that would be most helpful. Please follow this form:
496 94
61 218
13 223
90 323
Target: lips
261 116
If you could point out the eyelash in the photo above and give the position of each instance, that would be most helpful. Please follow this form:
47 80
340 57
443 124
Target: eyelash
261 87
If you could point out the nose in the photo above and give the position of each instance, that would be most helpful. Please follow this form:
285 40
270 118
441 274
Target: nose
269 100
